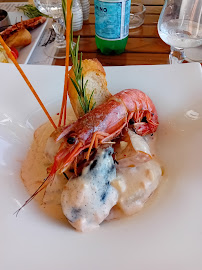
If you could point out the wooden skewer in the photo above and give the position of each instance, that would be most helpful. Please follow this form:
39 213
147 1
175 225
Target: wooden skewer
10 55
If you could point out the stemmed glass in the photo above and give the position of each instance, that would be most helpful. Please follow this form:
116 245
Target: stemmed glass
180 26
53 8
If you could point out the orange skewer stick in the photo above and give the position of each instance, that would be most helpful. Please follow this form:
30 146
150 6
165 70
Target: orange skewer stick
65 108
10 55
66 82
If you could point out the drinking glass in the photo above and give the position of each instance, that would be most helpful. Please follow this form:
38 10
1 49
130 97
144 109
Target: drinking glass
180 26
53 8
137 15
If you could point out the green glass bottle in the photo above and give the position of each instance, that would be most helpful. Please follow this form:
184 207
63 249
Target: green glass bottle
112 25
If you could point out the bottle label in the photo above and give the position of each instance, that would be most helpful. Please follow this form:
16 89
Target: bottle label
112 19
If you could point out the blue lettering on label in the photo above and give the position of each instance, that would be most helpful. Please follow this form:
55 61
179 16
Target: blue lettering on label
112 19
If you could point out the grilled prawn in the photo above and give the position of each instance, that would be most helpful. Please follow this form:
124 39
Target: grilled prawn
29 24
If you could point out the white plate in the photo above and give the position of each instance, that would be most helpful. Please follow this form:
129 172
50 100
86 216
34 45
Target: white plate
26 52
167 234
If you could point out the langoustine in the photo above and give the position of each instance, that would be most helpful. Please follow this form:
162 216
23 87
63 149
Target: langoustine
105 123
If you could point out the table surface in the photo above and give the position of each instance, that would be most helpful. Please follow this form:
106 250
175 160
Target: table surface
144 46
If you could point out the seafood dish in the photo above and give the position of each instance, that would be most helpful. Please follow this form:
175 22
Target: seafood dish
101 165
99 158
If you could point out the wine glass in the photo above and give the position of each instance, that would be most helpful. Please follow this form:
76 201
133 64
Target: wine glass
180 26
53 8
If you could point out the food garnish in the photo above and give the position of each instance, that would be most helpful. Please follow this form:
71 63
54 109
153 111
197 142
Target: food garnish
14 52
78 82
69 39
31 11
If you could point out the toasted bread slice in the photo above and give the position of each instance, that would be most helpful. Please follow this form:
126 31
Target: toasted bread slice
20 38
94 72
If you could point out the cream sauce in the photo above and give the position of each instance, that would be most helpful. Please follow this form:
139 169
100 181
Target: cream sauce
135 186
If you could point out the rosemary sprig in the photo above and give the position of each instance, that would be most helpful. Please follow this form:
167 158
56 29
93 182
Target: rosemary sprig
31 11
64 8
78 82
